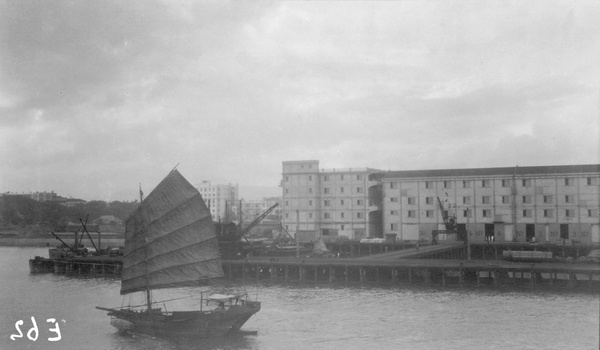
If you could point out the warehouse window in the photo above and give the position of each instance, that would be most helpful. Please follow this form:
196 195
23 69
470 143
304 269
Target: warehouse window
505 199
394 227
486 213
429 213
527 213
485 199
466 200
548 199
394 199
526 182
393 212
447 184
466 184
548 213
485 183
428 184
505 183
428 200
411 200
412 214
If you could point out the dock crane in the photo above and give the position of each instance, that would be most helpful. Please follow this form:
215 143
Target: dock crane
230 236
255 222
449 223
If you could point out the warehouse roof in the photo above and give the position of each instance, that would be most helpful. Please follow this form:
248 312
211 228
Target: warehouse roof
526 170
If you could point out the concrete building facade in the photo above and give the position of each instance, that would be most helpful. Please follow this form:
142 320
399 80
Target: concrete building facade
516 204
335 202
220 199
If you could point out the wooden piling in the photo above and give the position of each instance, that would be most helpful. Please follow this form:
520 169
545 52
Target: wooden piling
331 274
443 277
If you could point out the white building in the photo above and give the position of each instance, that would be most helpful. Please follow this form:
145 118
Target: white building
513 204
220 199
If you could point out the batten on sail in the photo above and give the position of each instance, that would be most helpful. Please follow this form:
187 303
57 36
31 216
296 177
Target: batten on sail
170 240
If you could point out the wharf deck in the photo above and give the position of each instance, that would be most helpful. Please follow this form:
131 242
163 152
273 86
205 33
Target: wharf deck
387 268
416 252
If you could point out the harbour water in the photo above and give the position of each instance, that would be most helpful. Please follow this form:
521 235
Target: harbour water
304 317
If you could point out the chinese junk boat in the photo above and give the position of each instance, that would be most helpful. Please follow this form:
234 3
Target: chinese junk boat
170 242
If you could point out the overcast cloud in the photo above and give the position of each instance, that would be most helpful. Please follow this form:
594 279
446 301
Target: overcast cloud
98 96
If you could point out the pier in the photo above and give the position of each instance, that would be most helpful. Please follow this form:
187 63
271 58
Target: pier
97 266
443 265
434 272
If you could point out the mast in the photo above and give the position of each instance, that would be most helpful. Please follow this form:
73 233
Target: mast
148 296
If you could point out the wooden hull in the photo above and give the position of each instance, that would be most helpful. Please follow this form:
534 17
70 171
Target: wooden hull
201 324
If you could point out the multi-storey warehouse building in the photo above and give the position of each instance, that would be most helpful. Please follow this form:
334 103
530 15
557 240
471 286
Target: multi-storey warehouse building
319 202
550 203
522 204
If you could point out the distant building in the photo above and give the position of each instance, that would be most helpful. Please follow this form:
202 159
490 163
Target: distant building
109 223
221 199
254 208
251 210
49 197
43 196
70 202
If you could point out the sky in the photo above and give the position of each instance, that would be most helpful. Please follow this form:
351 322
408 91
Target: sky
98 97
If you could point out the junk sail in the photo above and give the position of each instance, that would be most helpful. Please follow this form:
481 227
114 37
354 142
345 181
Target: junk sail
170 240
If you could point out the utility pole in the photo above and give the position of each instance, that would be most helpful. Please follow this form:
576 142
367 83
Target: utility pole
297 230
467 236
